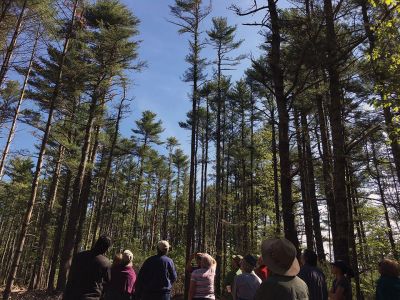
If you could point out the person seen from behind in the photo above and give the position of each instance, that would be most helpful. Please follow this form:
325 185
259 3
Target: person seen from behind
230 277
313 276
388 284
89 272
246 284
341 286
123 278
156 276
202 280
279 255
261 270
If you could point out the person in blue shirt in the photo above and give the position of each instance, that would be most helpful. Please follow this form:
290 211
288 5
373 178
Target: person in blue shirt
156 276
388 285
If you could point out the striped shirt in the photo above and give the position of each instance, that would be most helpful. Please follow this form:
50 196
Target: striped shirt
204 282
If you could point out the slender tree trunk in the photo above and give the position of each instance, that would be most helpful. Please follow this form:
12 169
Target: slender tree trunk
164 230
327 167
192 184
58 231
17 109
383 200
86 189
274 151
36 177
338 138
72 226
283 115
308 224
41 252
351 188
10 49
310 179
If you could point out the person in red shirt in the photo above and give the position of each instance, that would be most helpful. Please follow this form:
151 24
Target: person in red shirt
261 270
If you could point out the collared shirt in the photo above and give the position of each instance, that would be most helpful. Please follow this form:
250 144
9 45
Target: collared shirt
245 286
315 280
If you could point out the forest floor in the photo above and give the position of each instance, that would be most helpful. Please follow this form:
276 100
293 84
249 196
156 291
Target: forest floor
23 294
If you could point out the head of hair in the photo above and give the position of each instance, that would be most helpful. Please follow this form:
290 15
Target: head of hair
310 257
343 268
246 267
389 267
163 247
117 260
102 244
207 261
198 258
127 257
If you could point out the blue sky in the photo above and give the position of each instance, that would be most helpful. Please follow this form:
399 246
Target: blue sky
159 87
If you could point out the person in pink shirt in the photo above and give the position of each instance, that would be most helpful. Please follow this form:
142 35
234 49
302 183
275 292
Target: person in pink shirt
123 278
202 280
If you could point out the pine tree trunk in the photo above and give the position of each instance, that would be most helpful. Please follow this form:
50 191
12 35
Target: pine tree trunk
58 231
41 251
310 179
192 184
164 230
36 177
384 204
17 109
327 167
283 115
351 191
10 49
338 139
274 151
72 226
203 217
308 224
85 193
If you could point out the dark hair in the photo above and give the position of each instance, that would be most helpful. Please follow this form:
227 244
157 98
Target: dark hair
102 244
389 267
310 257
342 266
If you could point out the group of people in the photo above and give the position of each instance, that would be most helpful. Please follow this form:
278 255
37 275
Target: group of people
276 274
93 277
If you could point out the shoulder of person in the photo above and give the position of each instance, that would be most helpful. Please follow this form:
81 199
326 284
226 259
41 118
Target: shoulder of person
298 280
103 260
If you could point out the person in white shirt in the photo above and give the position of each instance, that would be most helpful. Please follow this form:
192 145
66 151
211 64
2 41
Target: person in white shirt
246 284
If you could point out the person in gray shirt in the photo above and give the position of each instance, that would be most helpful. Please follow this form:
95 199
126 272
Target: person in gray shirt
246 284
